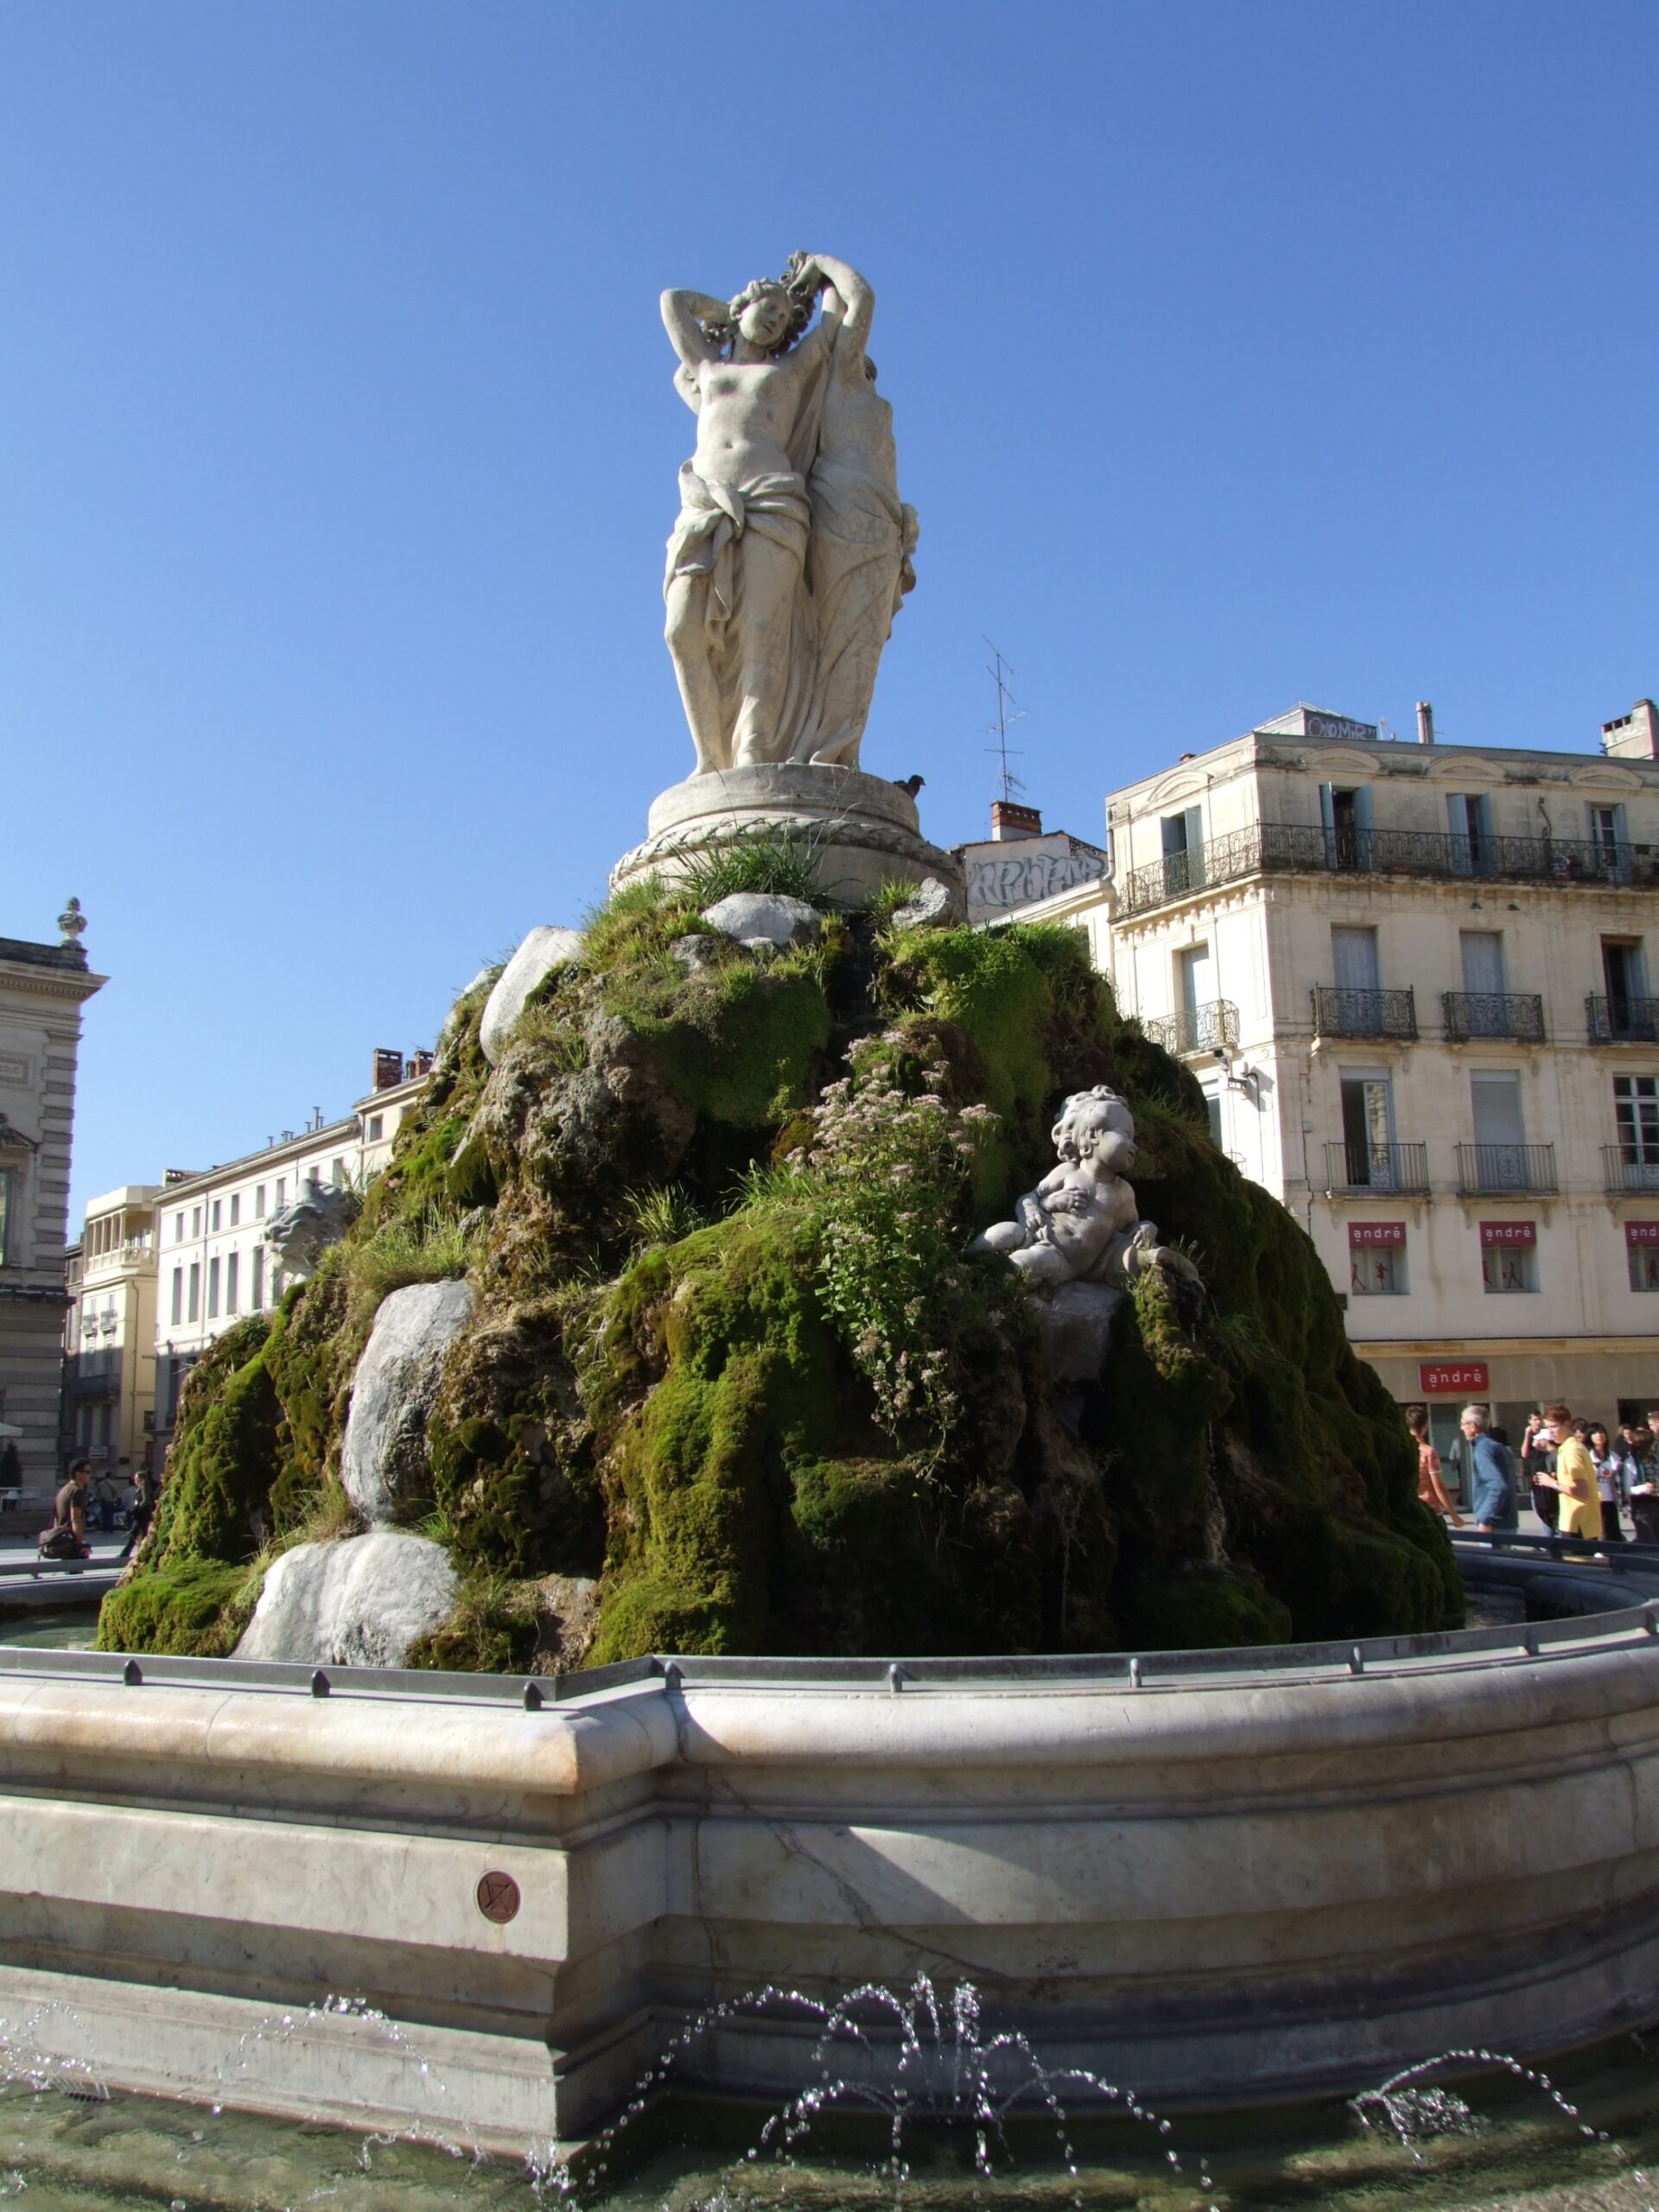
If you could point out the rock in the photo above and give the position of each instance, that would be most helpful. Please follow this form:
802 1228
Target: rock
762 947
383 1459
301 1233
1076 1322
932 906
695 954
781 921
542 951
361 1603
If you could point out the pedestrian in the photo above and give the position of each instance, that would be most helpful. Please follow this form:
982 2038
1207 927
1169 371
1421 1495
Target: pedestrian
103 1502
1431 1482
143 1509
1574 1478
1492 1493
1538 1466
1642 1467
66 1535
1612 1481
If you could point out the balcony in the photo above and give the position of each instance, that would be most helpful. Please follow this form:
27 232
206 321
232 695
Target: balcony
1196 1028
1291 848
1622 1021
1490 1171
1515 1015
1627 1174
1385 1169
1341 1013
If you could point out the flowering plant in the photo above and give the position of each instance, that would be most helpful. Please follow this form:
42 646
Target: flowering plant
890 1164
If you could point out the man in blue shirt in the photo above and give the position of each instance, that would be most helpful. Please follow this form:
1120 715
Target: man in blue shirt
1492 1476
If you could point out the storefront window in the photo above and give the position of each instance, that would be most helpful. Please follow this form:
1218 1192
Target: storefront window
1508 1267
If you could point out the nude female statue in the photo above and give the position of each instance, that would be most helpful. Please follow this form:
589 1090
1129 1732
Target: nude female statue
740 625
858 564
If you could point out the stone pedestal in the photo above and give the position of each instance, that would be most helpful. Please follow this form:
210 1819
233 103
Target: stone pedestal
863 831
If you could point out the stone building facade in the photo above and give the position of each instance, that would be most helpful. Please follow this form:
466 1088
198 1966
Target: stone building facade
42 989
210 1263
108 1345
1419 984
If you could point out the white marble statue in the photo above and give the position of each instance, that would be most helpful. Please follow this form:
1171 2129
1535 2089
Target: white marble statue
791 551
1081 1223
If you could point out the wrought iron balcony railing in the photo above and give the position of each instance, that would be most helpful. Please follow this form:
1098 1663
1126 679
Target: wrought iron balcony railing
1622 1021
1516 1014
1487 1170
1629 1171
1196 1028
1284 848
1339 1012
1386 1167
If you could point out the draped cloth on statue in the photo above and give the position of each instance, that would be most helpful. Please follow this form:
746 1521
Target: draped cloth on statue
712 521
858 571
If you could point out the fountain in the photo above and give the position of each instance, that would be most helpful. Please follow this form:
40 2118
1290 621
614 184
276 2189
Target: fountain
730 1514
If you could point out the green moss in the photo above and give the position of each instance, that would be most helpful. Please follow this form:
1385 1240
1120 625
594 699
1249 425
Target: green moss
196 1607
692 1422
224 1457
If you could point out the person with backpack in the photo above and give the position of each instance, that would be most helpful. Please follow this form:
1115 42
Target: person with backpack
147 1496
66 1537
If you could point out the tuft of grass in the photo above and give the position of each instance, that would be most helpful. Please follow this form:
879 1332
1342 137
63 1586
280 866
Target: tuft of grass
775 862
893 892
431 1246
664 1214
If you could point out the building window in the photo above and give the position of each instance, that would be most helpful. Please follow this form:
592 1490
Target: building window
257 1296
218 1209
193 1307
1642 1250
1635 1110
232 1269
178 1228
195 1221
1212 1109
336 1174
236 1208
178 1296
377 1123
259 1202
212 1289
1182 842
1377 1258
1508 1255
281 1193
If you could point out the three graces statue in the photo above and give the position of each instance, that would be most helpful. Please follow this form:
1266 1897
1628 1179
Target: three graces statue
792 552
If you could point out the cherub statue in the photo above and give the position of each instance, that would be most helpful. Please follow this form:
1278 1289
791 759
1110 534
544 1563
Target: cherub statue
1081 1223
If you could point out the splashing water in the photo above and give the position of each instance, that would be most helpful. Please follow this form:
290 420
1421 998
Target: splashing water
918 2059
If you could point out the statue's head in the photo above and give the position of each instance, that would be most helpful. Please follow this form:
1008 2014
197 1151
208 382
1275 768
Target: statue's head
1096 1125
770 316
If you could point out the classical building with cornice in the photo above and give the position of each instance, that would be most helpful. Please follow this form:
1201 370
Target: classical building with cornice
42 989
1418 985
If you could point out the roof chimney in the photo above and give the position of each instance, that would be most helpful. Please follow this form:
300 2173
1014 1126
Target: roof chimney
1634 736
1425 722
1009 819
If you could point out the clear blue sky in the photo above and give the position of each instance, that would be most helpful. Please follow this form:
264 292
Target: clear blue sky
1239 354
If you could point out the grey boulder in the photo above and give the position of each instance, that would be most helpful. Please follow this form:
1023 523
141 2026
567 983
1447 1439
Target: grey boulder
362 1603
542 951
781 921
383 1459
932 904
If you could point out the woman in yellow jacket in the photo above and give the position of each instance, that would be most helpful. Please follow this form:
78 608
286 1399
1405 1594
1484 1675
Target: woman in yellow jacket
1574 1477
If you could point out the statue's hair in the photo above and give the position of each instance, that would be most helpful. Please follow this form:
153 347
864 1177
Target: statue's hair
1063 1132
799 304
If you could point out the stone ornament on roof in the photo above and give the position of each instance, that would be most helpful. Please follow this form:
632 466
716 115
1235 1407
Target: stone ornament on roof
73 923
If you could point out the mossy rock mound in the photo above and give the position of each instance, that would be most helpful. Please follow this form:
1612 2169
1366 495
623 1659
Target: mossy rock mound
673 1426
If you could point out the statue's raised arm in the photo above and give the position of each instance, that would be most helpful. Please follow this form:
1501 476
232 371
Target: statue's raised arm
700 326
851 309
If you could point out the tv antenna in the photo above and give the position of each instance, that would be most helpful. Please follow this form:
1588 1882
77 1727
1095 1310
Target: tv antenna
999 671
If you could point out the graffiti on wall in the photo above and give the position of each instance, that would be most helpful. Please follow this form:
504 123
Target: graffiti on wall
1012 879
